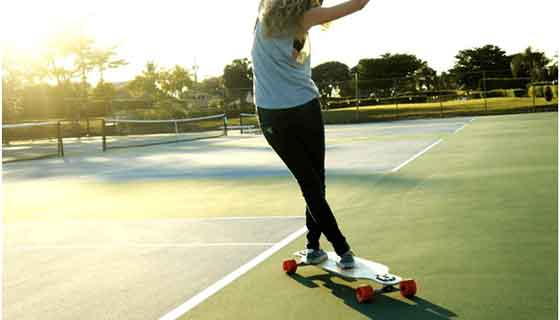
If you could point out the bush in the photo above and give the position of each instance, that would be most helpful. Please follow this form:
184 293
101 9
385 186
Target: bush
538 89
498 93
499 83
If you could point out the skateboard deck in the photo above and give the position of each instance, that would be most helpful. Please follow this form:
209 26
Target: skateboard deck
363 269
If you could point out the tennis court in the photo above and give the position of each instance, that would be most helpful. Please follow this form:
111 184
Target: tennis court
467 206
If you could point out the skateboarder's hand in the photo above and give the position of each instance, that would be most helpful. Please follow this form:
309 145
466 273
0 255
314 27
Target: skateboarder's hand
322 15
362 3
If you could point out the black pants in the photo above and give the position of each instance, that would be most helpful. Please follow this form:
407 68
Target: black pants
298 137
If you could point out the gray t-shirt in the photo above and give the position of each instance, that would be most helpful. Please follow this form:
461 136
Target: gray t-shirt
281 73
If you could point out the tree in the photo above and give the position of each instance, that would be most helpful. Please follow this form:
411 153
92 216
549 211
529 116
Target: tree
12 88
104 91
426 78
383 76
175 82
103 60
60 48
470 65
213 85
24 91
238 80
529 64
103 95
445 81
84 60
333 75
163 89
145 85
552 69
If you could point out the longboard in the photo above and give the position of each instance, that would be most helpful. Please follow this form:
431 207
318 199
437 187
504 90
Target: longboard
363 269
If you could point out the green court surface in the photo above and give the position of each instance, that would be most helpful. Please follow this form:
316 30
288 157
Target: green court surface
474 221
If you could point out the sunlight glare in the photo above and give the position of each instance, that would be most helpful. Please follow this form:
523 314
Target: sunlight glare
28 26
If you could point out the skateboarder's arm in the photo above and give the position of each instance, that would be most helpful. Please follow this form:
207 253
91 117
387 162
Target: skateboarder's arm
320 15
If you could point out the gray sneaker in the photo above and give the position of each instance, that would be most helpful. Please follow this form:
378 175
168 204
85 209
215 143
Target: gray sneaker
346 260
316 256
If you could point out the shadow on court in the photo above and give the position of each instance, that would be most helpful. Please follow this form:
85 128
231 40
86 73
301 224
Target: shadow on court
229 157
198 158
384 306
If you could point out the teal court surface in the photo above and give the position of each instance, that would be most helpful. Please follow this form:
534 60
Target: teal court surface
198 230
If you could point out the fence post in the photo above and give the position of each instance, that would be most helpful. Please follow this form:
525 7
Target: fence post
240 123
534 99
440 99
484 91
103 136
60 142
357 97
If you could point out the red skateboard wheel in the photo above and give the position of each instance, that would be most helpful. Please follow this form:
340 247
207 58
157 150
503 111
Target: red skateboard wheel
364 293
408 288
289 266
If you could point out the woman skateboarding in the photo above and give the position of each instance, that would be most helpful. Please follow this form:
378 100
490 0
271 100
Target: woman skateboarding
289 109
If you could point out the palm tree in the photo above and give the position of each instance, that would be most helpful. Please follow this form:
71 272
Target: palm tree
55 60
102 59
425 78
529 64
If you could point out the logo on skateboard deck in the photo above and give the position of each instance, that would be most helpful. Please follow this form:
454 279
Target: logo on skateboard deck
385 277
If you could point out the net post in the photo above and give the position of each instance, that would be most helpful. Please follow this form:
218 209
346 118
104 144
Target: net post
225 125
103 136
59 138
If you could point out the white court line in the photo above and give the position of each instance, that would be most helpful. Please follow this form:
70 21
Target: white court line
247 218
172 220
417 155
429 147
204 294
33 247
382 127
460 128
463 126
220 284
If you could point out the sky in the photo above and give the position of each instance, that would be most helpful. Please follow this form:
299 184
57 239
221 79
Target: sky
211 34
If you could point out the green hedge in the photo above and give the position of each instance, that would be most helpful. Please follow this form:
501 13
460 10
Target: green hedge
537 89
506 93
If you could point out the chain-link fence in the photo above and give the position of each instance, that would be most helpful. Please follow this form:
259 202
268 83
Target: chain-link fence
480 93
356 100
352 101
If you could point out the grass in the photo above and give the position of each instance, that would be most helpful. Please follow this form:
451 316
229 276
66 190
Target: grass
474 221
436 109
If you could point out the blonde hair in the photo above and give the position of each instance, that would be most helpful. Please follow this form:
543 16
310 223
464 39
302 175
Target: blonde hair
283 18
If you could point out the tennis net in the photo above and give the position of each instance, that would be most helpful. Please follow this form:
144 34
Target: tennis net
120 133
249 123
34 140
